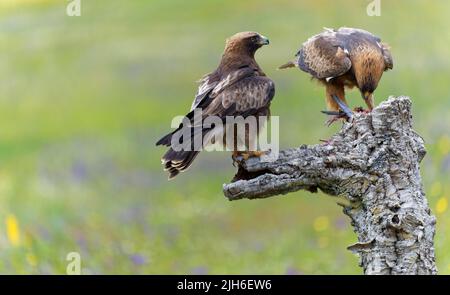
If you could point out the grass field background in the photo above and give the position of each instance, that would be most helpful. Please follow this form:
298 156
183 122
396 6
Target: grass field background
83 100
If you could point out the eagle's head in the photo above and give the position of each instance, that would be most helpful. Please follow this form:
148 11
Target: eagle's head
245 42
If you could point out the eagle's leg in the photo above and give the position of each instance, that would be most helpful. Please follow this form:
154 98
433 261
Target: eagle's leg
235 157
253 154
239 156
249 143
336 103
369 102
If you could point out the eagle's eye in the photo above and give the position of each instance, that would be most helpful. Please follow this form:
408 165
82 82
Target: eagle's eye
254 39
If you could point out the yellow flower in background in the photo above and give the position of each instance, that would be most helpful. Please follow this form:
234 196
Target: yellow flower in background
444 145
12 230
321 223
441 205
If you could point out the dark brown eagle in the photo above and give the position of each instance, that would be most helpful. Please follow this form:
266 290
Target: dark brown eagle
238 87
342 58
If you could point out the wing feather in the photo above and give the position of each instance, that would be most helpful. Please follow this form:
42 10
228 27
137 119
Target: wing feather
242 92
324 56
328 54
211 86
244 97
207 83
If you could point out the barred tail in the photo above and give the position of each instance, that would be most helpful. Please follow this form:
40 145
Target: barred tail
178 161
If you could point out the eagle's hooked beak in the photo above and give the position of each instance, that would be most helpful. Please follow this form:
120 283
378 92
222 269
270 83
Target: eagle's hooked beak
263 40
368 98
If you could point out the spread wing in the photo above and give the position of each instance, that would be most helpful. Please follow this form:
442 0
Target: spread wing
324 56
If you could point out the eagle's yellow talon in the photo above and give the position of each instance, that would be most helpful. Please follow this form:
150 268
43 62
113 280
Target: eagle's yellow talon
258 154
245 155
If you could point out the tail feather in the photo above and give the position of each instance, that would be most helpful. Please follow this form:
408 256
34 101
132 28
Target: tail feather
290 64
165 140
178 161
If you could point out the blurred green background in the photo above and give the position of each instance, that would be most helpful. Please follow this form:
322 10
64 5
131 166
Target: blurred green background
83 100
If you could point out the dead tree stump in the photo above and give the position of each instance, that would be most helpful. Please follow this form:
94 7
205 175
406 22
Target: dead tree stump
374 163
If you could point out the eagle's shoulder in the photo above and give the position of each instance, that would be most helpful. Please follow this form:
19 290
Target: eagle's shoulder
214 84
344 31
356 39
206 85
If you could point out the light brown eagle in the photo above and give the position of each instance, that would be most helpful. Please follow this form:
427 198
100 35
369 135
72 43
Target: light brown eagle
342 58
238 87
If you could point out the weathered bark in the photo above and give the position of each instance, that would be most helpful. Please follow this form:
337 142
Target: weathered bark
374 162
